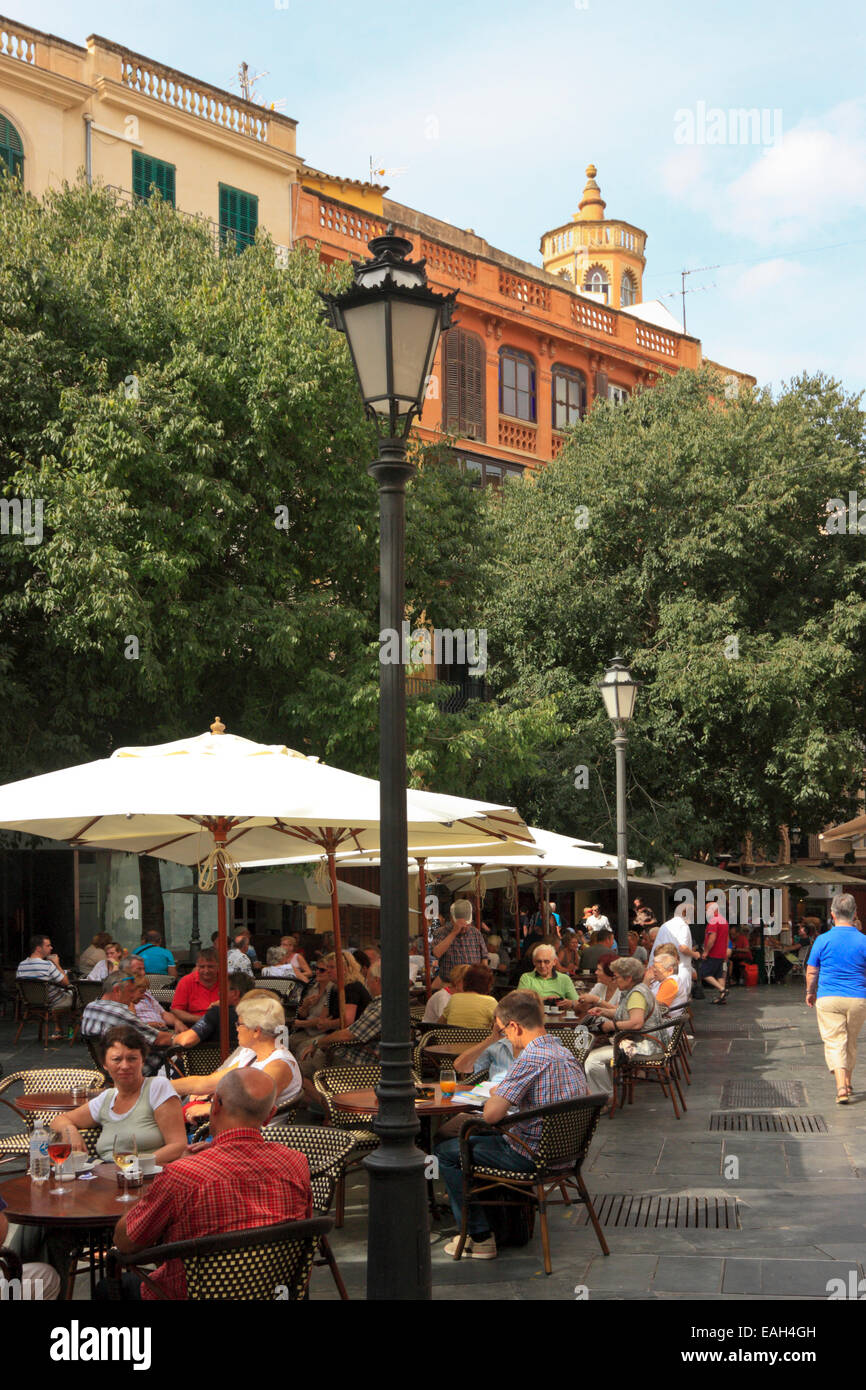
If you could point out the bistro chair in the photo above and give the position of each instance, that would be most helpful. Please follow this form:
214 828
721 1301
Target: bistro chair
161 982
577 1040
566 1132
326 1151
443 1034
33 1004
661 1069
32 1082
88 991
334 1081
232 1265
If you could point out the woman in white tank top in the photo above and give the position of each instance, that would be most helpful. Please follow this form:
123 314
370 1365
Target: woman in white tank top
262 1040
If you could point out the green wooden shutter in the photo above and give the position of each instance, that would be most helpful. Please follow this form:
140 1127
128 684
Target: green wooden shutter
11 148
239 214
149 173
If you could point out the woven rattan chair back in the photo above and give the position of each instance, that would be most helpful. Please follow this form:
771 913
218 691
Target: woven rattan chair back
88 991
269 1259
160 982
566 1135
577 1040
326 1151
334 1081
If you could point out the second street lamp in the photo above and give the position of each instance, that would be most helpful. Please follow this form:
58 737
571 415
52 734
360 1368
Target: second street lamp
392 323
619 692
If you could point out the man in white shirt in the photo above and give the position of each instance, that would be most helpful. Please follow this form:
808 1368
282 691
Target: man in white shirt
596 921
675 931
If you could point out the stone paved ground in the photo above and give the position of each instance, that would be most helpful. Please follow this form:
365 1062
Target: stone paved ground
801 1198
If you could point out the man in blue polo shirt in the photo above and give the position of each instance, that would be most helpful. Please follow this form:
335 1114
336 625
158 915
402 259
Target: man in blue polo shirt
157 960
836 989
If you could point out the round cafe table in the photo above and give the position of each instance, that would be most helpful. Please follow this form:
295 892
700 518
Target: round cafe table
88 1211
50 1100
366 1102
443 1050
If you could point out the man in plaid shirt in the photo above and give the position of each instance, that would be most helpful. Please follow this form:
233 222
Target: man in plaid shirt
461 943
344 1046
542 1073
236 1182
116 1008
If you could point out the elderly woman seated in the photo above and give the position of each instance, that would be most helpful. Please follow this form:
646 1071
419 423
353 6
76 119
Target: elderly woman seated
553 985
669 980
261 1045
604 991
636 1012
145 1108
474 1006
568 955
278 965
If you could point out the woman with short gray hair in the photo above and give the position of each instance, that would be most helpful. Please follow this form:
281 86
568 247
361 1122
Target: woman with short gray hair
636 1012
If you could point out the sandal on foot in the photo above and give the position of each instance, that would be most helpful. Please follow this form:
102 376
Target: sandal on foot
843 1097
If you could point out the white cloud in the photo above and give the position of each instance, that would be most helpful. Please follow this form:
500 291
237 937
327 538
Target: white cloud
767 276
816 173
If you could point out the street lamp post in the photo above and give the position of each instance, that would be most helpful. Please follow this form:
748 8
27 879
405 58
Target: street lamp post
619 691
392 323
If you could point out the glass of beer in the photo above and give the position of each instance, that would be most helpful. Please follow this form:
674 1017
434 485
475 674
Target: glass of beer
447 1081
126 1158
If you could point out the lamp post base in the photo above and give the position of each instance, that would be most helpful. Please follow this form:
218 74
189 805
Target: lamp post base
399 1217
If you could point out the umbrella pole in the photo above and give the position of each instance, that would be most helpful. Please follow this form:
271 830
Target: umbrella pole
539 876
425 930
338 940
476 869
222 945
516 906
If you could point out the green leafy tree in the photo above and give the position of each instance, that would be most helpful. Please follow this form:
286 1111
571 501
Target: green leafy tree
689 532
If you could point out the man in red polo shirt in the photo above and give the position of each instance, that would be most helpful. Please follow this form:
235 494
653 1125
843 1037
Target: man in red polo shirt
236 1182
714 953
198 990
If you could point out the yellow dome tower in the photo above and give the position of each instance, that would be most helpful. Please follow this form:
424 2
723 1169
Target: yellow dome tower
602 258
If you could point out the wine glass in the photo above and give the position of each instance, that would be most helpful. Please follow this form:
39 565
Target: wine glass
59 1149
125 1154
447 1081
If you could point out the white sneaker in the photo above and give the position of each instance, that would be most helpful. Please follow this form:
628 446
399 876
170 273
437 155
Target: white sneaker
477 1249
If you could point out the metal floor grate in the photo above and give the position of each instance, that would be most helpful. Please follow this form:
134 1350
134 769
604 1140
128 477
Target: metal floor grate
721 1030
762 1095
627 1209
774 1027
763 1122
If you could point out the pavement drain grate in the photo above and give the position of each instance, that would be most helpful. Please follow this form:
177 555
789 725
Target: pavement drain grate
629 1209
762 1122
721 1030
758 1095
774 1027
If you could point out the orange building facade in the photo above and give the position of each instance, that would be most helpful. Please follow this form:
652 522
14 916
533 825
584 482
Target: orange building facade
529 353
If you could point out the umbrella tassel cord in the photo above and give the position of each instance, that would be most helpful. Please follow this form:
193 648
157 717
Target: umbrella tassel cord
209 869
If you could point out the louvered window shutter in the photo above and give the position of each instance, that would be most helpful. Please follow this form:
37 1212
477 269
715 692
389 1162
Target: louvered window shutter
601 385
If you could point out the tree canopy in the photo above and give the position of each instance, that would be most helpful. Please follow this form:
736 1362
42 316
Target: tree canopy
689 532
195 435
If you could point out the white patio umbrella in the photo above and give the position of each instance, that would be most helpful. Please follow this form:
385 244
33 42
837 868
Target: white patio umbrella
292 888
219 801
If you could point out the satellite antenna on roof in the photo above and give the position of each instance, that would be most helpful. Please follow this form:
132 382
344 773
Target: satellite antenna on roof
248 83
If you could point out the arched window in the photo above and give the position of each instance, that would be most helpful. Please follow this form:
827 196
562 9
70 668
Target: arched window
628 290
11 148
463 373
596 282
516 384
569 396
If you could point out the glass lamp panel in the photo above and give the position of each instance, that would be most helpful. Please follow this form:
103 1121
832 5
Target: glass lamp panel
414 342
365 330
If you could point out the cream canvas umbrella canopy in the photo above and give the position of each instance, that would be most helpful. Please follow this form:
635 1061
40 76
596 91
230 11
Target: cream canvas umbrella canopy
292 888
219 801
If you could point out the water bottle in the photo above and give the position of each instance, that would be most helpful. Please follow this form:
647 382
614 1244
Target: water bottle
40 1163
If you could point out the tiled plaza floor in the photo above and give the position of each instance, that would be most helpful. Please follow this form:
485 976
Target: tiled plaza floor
799 1198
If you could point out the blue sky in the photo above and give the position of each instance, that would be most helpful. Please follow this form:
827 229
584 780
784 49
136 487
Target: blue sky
495 109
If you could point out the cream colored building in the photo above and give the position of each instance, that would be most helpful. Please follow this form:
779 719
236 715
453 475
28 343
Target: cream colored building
133 124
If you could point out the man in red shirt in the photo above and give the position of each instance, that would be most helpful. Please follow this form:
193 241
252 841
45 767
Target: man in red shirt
236 1182
714 953
198 990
